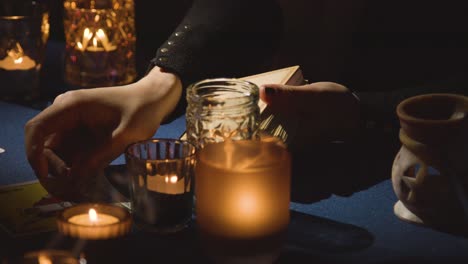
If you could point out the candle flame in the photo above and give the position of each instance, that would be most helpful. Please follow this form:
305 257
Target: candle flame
16 54
100 33
18 60
94 42
44 259
92 215
104 39
87 33
171 179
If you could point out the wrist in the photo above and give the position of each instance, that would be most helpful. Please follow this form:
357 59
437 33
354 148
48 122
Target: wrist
160 90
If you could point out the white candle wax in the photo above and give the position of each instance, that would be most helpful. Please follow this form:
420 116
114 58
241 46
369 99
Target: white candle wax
22 63
168 184
101 222
92 218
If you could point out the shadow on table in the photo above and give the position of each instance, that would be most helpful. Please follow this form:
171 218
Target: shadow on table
313 239
322 169
310 238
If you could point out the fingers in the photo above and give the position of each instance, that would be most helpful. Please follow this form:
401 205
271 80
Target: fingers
289 98
100 155
57 167
286 98
54 119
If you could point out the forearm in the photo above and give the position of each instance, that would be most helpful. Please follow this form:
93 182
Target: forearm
160 90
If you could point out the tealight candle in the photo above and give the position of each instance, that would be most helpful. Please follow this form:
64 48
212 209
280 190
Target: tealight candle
161 183
94 221
92 218
21 63
19 74
17 60
50 256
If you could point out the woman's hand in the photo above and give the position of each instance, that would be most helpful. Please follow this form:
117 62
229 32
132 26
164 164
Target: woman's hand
84 130
322 111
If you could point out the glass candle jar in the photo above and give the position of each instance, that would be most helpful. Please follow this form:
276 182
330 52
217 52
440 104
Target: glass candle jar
221 108
24 31
243 195
100 42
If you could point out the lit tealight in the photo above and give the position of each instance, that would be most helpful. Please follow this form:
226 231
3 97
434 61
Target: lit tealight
94 221
49 257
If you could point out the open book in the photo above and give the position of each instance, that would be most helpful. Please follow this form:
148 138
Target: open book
268 121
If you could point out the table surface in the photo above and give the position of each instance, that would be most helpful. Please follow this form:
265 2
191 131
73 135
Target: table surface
358 227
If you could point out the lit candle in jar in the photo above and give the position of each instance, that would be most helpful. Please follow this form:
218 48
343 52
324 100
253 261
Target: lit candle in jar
49 256
165 198
243 194
99 41
16 60
168 184
94 221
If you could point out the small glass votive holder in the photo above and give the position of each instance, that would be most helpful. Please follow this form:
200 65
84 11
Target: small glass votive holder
243 196
100 42
24 31
161 172
94 221
49 256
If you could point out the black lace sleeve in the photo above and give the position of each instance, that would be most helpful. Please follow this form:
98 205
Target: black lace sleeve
228 38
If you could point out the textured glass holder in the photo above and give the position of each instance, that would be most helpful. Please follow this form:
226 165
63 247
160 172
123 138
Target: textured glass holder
161 184
22 46
100 42
220 109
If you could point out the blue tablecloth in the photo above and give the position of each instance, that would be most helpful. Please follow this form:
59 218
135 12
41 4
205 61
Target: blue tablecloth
360 228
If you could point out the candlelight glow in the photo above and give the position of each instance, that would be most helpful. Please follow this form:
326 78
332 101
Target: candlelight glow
44 260
16 53
99 40
95 42
18 60
83 221
92 215
100 33
87 34
247 204
171 179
